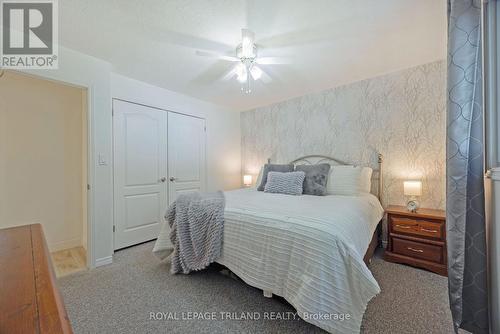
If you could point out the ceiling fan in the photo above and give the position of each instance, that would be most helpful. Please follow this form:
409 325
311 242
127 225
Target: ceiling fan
247 59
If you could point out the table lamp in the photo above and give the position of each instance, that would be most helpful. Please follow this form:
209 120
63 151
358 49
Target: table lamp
413 189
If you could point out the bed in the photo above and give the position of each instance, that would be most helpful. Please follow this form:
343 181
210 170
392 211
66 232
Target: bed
311 250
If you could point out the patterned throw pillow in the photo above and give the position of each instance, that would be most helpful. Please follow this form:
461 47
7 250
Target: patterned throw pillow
285 183
273 168
316 178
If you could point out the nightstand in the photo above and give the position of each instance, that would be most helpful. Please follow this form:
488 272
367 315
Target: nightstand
417 238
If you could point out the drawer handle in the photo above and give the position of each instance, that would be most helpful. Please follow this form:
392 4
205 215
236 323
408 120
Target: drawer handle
403 226
430 231
415 250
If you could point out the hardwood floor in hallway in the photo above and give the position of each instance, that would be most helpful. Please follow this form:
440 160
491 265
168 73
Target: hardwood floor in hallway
69 261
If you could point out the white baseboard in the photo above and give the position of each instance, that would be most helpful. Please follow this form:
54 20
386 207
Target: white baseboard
65 244
103 261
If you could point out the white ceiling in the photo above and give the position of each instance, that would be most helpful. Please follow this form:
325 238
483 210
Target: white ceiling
329 42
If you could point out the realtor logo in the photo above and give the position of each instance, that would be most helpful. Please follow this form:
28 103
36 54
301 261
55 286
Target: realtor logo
29 33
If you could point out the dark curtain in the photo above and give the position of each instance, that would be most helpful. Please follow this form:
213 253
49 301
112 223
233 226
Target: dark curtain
465 212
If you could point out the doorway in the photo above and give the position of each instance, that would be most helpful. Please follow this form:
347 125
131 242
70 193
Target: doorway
43 163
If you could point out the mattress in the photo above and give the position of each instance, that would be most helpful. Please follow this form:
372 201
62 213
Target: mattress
307 249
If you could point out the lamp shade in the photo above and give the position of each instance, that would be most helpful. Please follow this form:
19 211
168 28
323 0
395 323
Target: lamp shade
412 188
247 180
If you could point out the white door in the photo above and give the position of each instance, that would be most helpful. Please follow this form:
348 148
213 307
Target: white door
140 172
186 154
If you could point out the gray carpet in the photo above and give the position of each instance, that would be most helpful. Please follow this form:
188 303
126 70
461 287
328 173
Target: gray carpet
119 298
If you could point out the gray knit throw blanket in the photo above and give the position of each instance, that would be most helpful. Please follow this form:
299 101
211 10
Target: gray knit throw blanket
197 223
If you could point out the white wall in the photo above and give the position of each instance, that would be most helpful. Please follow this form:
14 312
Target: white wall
223 126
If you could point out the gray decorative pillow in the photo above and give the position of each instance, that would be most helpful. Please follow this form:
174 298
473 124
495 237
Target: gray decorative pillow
285 183
316 178
273 168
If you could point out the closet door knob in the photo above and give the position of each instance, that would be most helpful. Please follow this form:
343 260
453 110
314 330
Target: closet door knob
172 179
163 179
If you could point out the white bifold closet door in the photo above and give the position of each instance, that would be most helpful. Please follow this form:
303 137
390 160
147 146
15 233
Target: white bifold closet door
186 154
157 154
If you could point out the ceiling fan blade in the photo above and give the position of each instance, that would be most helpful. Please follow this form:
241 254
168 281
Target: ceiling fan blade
229 74
273 61
211 74
187 41
215 55
265 78
315 35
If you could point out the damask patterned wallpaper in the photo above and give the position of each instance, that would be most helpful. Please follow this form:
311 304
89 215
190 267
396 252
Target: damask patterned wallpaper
401 115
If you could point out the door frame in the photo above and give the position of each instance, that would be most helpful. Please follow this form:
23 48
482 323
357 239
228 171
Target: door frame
113 147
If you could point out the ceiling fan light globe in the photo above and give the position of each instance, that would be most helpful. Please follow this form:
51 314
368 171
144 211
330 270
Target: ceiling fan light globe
242 78
241 69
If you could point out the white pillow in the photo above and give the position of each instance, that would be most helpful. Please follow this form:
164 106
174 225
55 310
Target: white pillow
259 177
366 179
349 180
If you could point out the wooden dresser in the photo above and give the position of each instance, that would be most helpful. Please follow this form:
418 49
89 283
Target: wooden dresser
417 239
29 299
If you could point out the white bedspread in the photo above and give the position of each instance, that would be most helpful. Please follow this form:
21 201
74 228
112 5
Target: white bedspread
307 249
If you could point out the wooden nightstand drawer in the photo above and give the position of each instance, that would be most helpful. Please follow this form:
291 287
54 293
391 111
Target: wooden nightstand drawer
404 225
416 227
418 250
430 229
